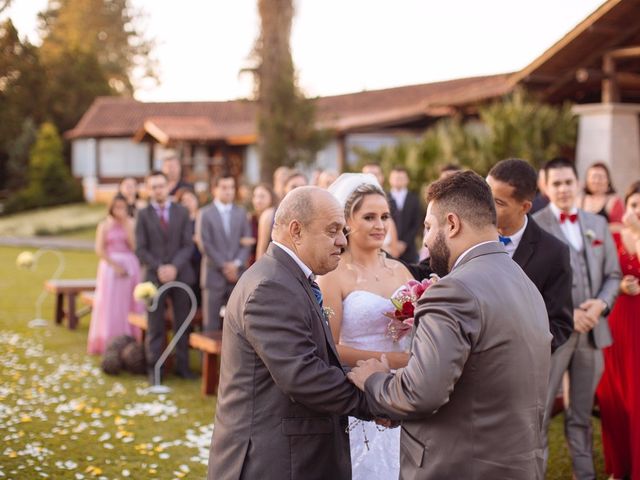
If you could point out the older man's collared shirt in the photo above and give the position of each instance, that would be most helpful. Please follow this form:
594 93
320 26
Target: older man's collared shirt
306 270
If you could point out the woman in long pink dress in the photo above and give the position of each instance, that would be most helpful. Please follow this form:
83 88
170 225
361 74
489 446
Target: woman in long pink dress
118 274
619 389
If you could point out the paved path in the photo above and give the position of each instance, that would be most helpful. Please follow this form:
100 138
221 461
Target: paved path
58 243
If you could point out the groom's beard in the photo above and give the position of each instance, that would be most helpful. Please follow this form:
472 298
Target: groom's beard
439 256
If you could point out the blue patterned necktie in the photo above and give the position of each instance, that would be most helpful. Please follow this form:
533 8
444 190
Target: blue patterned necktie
504 240
316 292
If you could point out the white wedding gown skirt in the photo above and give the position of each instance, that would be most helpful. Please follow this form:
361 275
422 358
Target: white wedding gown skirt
375 451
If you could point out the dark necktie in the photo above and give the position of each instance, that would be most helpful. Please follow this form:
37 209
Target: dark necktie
316 292
571 217
163 218
504 240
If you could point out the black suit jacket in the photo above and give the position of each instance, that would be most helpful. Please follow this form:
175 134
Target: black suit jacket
154 247
409 221
547 262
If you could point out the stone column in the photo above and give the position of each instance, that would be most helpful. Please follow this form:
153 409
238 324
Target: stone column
610 133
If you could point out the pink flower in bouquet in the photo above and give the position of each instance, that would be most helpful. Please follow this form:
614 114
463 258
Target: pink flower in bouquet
404 300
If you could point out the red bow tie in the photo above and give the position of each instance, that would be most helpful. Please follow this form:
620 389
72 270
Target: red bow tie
571 217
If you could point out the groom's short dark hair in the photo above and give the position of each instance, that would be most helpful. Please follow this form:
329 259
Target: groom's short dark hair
467 195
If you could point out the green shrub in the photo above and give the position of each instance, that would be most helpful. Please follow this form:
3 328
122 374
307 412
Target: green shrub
50 182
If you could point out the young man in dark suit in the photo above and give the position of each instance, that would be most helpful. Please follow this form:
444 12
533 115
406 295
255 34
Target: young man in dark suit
164 246
544 258
405 211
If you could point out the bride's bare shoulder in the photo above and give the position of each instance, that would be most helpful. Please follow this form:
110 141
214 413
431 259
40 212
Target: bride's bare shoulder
397 267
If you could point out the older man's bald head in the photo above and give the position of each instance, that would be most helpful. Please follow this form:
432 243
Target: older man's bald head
301 204
310 222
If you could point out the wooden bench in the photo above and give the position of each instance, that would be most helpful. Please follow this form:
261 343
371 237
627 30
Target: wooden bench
210 344
68 289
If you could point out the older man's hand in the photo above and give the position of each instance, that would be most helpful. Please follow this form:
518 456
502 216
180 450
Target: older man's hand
366 368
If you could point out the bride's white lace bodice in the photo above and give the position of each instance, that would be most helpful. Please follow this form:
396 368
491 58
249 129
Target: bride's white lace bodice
364 325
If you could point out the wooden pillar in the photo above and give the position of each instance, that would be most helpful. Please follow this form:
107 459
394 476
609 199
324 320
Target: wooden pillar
610 89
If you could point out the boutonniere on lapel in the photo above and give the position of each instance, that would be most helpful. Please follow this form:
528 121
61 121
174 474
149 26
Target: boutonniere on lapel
591 236
328 313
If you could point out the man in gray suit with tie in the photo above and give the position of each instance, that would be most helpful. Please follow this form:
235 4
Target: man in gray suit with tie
222 230
471 398
283 398
596 279
164 246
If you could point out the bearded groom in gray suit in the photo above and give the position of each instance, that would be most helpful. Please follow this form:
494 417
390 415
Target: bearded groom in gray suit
222 228
596 280
471 399
283 398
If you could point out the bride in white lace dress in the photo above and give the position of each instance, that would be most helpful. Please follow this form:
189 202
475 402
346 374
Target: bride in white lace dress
358 293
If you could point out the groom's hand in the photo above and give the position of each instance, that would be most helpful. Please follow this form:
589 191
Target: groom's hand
366 368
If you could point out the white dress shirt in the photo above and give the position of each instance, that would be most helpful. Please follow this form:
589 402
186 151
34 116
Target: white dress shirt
399 196
571 231
306 270
515 239
225 212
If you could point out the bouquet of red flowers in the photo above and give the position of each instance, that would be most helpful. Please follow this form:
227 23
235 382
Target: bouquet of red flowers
404 300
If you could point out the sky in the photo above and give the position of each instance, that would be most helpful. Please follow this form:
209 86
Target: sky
340 46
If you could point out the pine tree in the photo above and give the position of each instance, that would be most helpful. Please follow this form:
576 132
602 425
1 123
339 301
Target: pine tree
50 182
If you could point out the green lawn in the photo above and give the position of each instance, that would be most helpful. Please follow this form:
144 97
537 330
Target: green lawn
61 417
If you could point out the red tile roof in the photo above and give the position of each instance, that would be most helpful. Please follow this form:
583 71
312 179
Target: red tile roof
118 117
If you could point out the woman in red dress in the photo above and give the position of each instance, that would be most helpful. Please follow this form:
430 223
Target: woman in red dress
619 389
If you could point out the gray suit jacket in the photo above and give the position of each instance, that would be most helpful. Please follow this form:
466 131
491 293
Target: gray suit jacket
472 397
602 262
154 247
218 248
283 396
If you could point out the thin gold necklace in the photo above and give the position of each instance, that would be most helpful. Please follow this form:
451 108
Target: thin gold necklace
368 269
